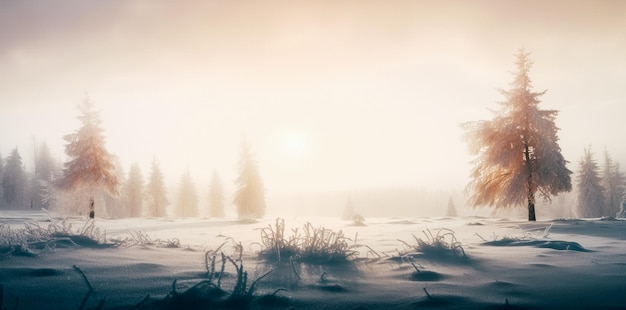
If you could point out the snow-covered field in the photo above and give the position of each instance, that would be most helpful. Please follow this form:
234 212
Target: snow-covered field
510 264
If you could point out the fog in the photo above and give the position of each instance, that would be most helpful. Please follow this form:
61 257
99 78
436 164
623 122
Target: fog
333 97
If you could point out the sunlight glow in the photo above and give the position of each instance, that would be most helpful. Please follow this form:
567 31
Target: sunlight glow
295 145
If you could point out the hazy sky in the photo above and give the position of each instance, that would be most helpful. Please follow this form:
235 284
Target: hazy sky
331 94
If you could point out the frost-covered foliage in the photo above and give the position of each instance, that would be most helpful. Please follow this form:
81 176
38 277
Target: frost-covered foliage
250 195
156 196
614 183
134 192
187 197
590 198
90 167
14 181
517 151
216 196
312 244
441 244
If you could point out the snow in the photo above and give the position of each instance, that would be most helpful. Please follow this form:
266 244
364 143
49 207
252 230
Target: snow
577 264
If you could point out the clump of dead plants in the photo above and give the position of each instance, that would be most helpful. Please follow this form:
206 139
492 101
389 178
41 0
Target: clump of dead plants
210 294
441 244
34 237
311 244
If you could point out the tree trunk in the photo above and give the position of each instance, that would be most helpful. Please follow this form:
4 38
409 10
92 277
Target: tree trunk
531 212
92 210
531 190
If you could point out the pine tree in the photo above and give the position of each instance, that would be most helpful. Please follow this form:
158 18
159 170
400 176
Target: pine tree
134 191
590 198
187 197
250 194
156 195
216 196
14 181
451 208
348 211
614 183
2 203
90 169
46 169
518 155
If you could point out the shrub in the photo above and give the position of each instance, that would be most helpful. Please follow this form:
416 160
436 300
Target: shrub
441 244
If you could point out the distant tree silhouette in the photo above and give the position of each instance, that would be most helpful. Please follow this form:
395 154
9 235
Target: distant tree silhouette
590 198
134 191
348 211
156 195
90 168
517 151
614 183
250 194
451 208
216 196
2 203
187 197
14 181
46 168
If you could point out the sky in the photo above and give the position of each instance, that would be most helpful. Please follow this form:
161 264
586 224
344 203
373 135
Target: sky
331 95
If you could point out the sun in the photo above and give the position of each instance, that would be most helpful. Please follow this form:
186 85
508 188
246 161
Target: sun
295 145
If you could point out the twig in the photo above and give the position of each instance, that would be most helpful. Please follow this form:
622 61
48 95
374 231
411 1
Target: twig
427 294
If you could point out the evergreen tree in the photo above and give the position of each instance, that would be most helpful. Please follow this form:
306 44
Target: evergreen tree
46 169
517 151
614 183
2 203
348 211
250 194
134 191
90 168
187 197
451 208
216 196
156 195
14 181
590 198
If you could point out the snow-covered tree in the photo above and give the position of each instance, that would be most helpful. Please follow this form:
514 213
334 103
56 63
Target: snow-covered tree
46 169
250 194
216 196
187 197
2 203
451 208
518 155
14 181
134 191
590 198
614 183
156 195
348 210
90 169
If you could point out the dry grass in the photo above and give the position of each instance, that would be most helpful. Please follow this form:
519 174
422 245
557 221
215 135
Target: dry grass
443 243
311 244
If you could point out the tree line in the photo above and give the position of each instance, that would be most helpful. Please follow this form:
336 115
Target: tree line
92 181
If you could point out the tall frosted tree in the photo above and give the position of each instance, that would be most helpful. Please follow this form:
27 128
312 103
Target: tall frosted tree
517 152
187 197
614 183
156 195
14 181
250 194
90 169
216 196
46 168
134 192
590 198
